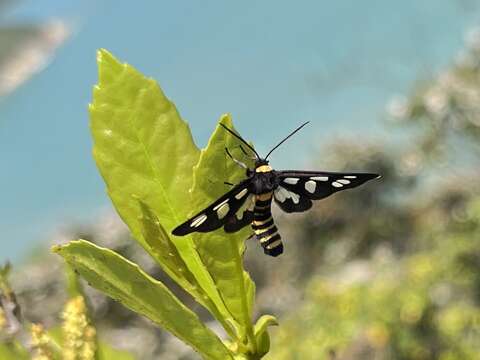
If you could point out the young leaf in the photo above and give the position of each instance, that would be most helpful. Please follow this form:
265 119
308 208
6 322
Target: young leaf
125 282
142 147
221 253
261 333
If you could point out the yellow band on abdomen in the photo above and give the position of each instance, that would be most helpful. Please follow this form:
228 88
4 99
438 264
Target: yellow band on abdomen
266 196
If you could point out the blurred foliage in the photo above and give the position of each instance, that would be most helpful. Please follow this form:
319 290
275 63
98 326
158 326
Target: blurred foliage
424 305
11 37
388 271
447 109
75 340
25 46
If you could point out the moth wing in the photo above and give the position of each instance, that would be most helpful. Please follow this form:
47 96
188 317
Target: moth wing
297 188
291 200
242 217
216 215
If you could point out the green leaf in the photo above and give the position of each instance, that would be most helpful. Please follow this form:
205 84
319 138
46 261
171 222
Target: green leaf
125 282
221 252
143 148
74 288
261 333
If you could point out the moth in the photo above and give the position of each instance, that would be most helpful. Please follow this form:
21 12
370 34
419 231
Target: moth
249 202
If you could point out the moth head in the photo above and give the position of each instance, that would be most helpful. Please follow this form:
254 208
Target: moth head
260 162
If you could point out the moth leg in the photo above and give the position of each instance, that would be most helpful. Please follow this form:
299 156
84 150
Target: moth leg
239 163
246 244
252 236
225 182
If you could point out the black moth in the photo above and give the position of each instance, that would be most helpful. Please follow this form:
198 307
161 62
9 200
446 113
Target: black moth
249 202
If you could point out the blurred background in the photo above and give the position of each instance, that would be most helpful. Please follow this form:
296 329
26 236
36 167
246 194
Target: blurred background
388 271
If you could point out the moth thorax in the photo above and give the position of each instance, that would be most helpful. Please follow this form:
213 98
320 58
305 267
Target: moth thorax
263 169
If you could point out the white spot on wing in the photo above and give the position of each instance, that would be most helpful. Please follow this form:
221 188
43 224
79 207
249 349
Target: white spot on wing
250 203
291 181
310 186
350 177
247 206
337 184
320 178
295 197
241 194
282 194
343 181
221 204
223 211
199 220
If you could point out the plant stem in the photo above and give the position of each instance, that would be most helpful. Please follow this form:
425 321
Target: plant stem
220 318
246 319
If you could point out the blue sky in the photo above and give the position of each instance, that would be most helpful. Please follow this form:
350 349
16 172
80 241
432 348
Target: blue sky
272 64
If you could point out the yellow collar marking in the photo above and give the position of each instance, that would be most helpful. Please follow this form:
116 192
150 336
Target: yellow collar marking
263 169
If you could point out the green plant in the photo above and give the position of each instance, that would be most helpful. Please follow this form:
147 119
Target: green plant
156 177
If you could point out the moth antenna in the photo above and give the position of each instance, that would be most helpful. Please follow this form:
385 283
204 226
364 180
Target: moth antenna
239 163
288 137
241 139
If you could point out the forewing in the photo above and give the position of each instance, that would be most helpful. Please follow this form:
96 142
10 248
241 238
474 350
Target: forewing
217 214
297 188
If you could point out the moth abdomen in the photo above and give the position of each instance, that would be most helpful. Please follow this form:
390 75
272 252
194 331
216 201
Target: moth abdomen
273 246
264 226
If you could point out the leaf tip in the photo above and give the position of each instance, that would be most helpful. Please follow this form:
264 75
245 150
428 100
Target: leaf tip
226 119
103 55
56 249
59 248
108 66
